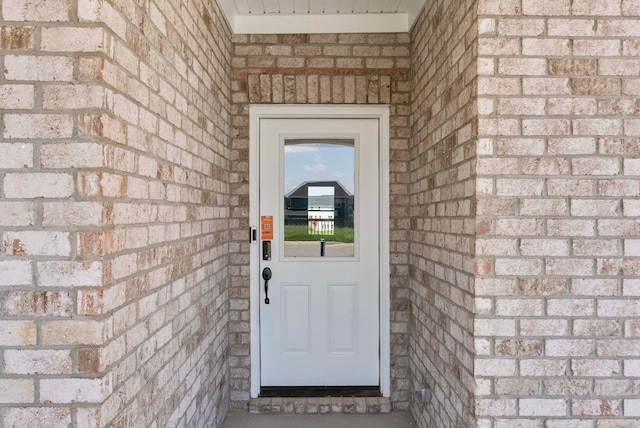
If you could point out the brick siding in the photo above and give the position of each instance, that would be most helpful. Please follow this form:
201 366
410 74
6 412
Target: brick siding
320 69
557 227
442 168
114 151
515 237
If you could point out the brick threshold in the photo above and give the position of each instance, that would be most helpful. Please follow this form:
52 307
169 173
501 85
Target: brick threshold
320 405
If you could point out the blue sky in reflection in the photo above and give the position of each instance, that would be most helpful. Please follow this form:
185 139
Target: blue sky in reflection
318 162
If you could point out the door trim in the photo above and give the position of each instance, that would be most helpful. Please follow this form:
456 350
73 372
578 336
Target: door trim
380 112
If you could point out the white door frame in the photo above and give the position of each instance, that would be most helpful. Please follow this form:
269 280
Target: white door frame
380 112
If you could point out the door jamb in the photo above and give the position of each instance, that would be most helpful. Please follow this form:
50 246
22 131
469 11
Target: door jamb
380 112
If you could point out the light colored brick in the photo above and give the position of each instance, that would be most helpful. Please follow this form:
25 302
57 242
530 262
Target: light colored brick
630 7
519 307
589 7
498 86
568 423
543 327
632 368
518 267
595 328
548 368
572 27
499 46
618 187
522 106
520 147
75 332
17 214
519 187
517 423
592 247
562 266
74 155
631 127
34 10
73 39
545 47
60 214
595 367
546 7
17 333
36 243
38 185
70 274
71 390
521 27
499 166
545 86
518 227
630 287
502 247
494 327
494 367
594 207
16 97
596 48
619 67
73 97
595 407
611 27
596 127
519 348
37 416
631 407
546 127
17 390
16 155
38 68
522 66
543 207
571 307
21 126
542 407
495 407
38 303
37 362
15 272
572 106
570 227
545 166
544 247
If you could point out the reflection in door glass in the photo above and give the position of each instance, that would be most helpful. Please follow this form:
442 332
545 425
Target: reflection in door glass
319 191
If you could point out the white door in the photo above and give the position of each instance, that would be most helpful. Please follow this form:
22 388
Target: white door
319 208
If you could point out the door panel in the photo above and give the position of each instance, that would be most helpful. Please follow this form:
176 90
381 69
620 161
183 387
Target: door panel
319 182
295 320
343 322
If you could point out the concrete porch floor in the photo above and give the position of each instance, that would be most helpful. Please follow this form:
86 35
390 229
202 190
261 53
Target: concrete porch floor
397 419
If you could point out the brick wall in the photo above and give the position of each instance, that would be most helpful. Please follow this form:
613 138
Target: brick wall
558 186
114 195
320 69
442 167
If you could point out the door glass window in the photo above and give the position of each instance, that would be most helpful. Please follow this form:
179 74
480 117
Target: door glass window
319 198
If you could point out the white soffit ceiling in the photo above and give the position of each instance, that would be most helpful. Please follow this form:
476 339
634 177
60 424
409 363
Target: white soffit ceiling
320 16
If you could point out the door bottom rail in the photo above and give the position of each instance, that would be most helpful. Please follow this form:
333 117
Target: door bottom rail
320 405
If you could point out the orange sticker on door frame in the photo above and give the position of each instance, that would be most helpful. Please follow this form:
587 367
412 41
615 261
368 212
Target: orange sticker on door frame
266 227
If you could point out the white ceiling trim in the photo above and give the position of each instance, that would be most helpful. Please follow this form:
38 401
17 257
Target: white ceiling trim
320 16
325 23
